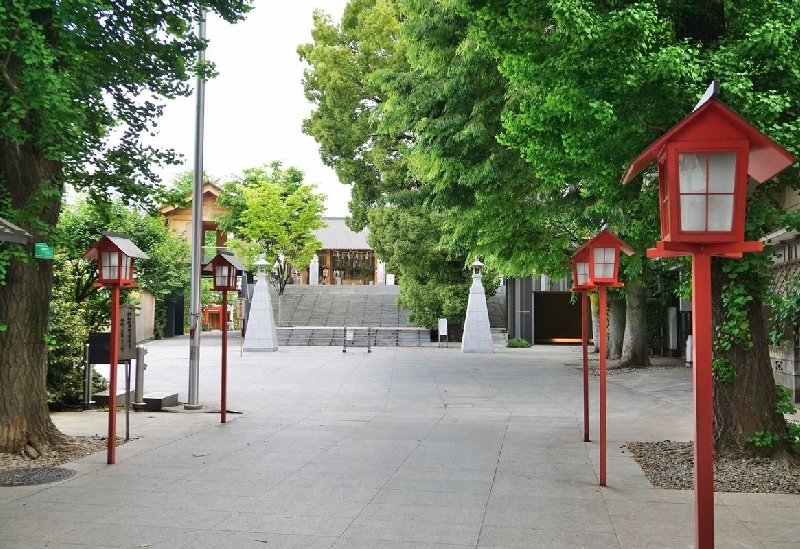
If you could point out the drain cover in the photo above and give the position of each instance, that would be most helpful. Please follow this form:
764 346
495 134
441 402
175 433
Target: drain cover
34 476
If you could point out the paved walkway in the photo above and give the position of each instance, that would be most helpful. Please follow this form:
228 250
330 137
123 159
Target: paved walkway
401 448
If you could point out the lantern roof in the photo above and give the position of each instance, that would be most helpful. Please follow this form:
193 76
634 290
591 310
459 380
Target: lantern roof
713 120
604 239
228 257
121 242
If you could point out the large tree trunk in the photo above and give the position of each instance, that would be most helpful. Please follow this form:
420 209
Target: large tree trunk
635 351
594 302
25 305
616 325
747 404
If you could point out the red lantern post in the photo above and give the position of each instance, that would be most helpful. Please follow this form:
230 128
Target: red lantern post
602 253
581 285
224 268
703 168
115 254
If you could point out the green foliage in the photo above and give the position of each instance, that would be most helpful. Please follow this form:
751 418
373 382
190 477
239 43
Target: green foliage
722 369
163 274
784 406
763 439
784 403
272 212
518 343
78 308
348 67
785 317
435 280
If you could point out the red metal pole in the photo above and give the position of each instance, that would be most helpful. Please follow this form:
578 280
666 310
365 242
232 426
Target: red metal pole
602 306
112 377
703 402
585 339
224 382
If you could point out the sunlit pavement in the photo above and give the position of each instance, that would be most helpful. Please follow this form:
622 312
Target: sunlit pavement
423 448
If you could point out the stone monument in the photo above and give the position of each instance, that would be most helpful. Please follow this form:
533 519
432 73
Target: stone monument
477 336
261 334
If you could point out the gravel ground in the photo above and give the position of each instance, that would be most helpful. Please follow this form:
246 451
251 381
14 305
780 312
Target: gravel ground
613 367
669 464
78 447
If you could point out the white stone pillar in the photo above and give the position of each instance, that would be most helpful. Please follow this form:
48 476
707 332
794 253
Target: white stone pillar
381 273
261 334
313 271
477 337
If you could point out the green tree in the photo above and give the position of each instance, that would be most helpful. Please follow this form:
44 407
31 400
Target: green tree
80 82
78 307
271 212
596 83
435 282
348 66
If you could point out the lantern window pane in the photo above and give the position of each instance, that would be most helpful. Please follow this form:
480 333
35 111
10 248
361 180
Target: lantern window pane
110 265
604 262
221 276
707 182
720 212
582 269
127 267
693 212
721 172
692 172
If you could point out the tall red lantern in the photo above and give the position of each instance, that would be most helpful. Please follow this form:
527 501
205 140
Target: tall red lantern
602 254
582 286
115 254
224 268
703 168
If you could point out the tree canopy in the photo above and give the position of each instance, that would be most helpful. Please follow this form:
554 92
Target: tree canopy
80 82
274 214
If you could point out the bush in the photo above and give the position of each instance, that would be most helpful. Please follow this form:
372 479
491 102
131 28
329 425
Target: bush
518 343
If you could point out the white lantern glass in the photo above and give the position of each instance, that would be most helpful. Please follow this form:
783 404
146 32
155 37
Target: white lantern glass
110 265
582 270
126 273
222 276
605 259
707 182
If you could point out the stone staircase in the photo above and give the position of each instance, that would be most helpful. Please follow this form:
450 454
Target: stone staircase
353 316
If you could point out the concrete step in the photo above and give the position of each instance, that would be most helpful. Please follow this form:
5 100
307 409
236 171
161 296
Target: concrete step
101 398
360 336
158 400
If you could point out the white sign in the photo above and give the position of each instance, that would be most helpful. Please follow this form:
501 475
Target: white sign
442 326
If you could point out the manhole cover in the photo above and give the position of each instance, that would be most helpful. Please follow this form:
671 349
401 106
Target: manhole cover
34 476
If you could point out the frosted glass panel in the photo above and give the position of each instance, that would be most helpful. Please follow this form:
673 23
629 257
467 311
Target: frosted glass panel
692 172
693 212
221 275
721 172
127 267
583 272
720 212
110 265
604 260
